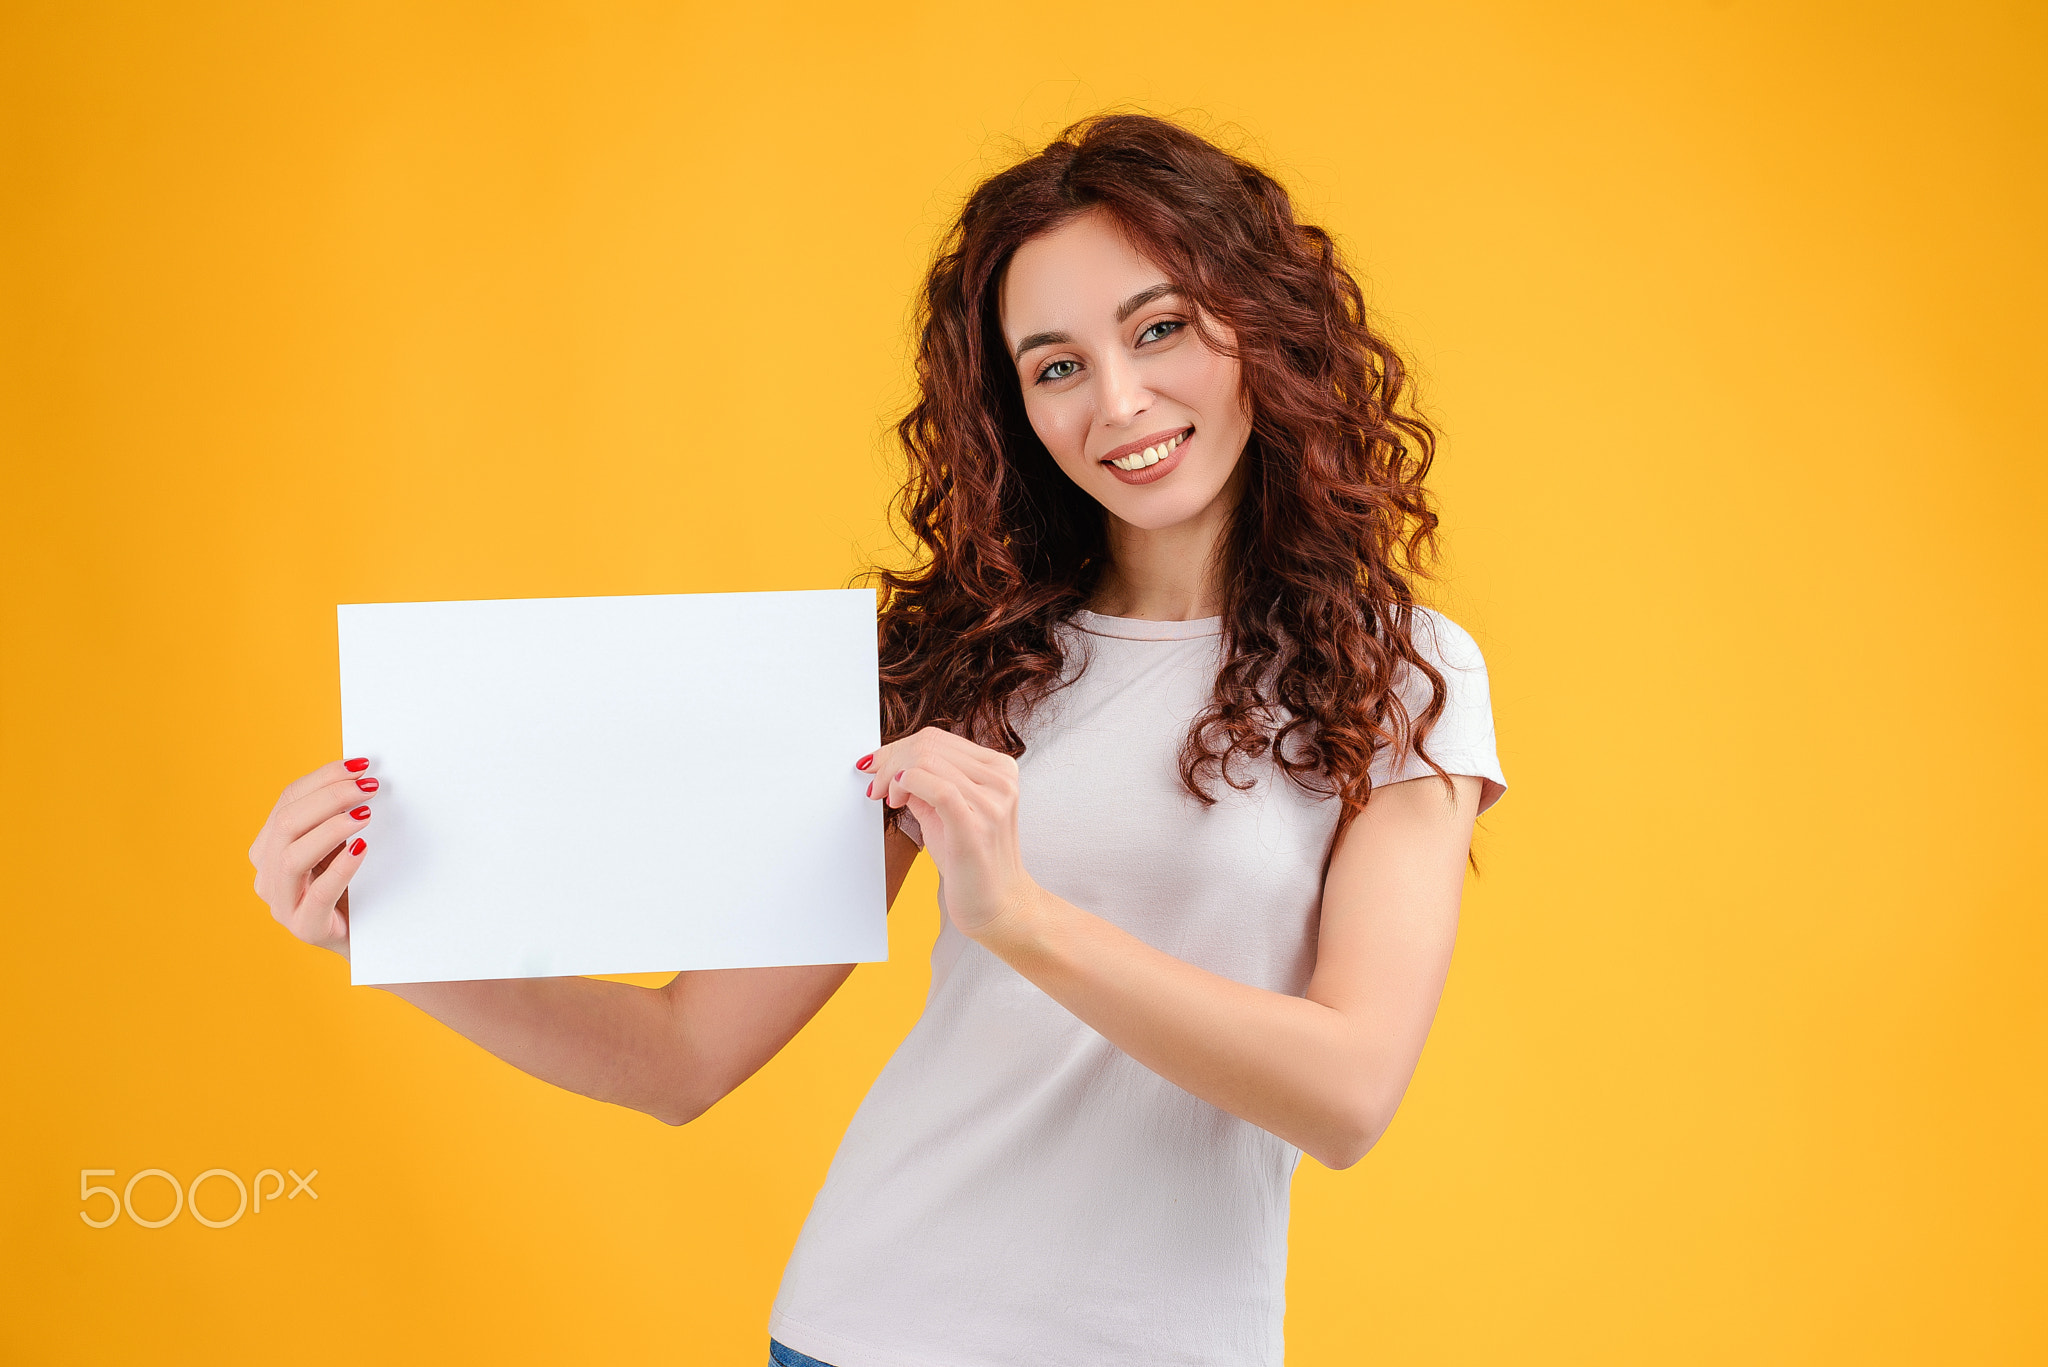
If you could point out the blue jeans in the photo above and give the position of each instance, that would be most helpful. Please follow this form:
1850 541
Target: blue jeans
780 1355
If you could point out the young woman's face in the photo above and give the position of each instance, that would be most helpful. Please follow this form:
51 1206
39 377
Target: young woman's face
1134 406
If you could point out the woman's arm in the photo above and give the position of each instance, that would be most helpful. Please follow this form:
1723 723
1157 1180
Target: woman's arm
670 1051
1324 1071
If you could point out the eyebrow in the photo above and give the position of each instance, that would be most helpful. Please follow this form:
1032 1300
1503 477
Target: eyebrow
1123 311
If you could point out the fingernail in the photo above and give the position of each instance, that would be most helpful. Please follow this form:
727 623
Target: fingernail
899 775
368 785
359 846
361 813
865 762
871 787
356 766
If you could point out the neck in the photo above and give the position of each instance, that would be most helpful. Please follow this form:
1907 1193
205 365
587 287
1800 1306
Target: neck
1172 574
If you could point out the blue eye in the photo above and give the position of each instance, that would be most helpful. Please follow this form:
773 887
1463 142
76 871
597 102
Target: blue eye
1154 333
1053 371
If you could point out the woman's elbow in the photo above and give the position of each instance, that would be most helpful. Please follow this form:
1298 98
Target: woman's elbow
684 1084
674 1115
680 1103
1356 1129
1345 1150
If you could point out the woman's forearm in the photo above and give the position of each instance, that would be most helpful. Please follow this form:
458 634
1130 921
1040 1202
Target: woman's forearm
611 1041
671 1051
1324 1070
1291 1066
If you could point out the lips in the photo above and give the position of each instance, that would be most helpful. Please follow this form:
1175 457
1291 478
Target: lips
1146 443
1179 441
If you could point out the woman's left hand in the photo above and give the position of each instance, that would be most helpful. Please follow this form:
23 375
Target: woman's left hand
964 797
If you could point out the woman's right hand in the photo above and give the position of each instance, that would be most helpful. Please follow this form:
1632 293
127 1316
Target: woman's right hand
309 849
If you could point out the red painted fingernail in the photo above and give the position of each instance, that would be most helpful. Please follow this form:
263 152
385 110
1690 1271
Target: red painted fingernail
361 813
359 846
900 773
368 785
355 766
871 787
865 762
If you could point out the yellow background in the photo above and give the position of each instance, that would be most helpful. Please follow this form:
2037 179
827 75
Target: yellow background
1730 313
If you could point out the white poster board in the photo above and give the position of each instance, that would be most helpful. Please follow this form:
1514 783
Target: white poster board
614 785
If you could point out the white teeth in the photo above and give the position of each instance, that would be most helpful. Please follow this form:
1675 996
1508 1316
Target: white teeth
1151 455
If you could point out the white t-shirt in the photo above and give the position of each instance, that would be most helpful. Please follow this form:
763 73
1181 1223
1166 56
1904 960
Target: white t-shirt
1016 1191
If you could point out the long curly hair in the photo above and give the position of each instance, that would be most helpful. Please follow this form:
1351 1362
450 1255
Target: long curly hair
1329 536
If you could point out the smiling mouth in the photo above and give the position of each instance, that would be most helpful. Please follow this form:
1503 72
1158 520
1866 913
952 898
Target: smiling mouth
1161 448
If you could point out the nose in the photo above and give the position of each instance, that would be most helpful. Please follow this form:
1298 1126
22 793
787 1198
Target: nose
1123 394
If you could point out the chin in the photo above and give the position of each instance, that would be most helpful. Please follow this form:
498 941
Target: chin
1158 514
1184 495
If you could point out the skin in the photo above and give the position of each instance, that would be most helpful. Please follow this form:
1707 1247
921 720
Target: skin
1324 1071
1110 383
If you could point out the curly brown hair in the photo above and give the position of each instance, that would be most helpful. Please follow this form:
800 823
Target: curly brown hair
1330 533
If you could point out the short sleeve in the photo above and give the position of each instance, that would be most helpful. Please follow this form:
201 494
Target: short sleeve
1462 739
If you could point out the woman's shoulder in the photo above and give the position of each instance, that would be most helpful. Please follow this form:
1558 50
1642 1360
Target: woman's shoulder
1443 642
1462 739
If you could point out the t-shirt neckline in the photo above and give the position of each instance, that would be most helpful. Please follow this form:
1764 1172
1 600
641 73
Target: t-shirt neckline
1140 629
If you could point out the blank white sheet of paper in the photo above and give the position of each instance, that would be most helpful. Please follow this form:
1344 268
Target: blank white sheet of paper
614 785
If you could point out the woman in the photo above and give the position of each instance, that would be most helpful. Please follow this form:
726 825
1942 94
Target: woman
1198 774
